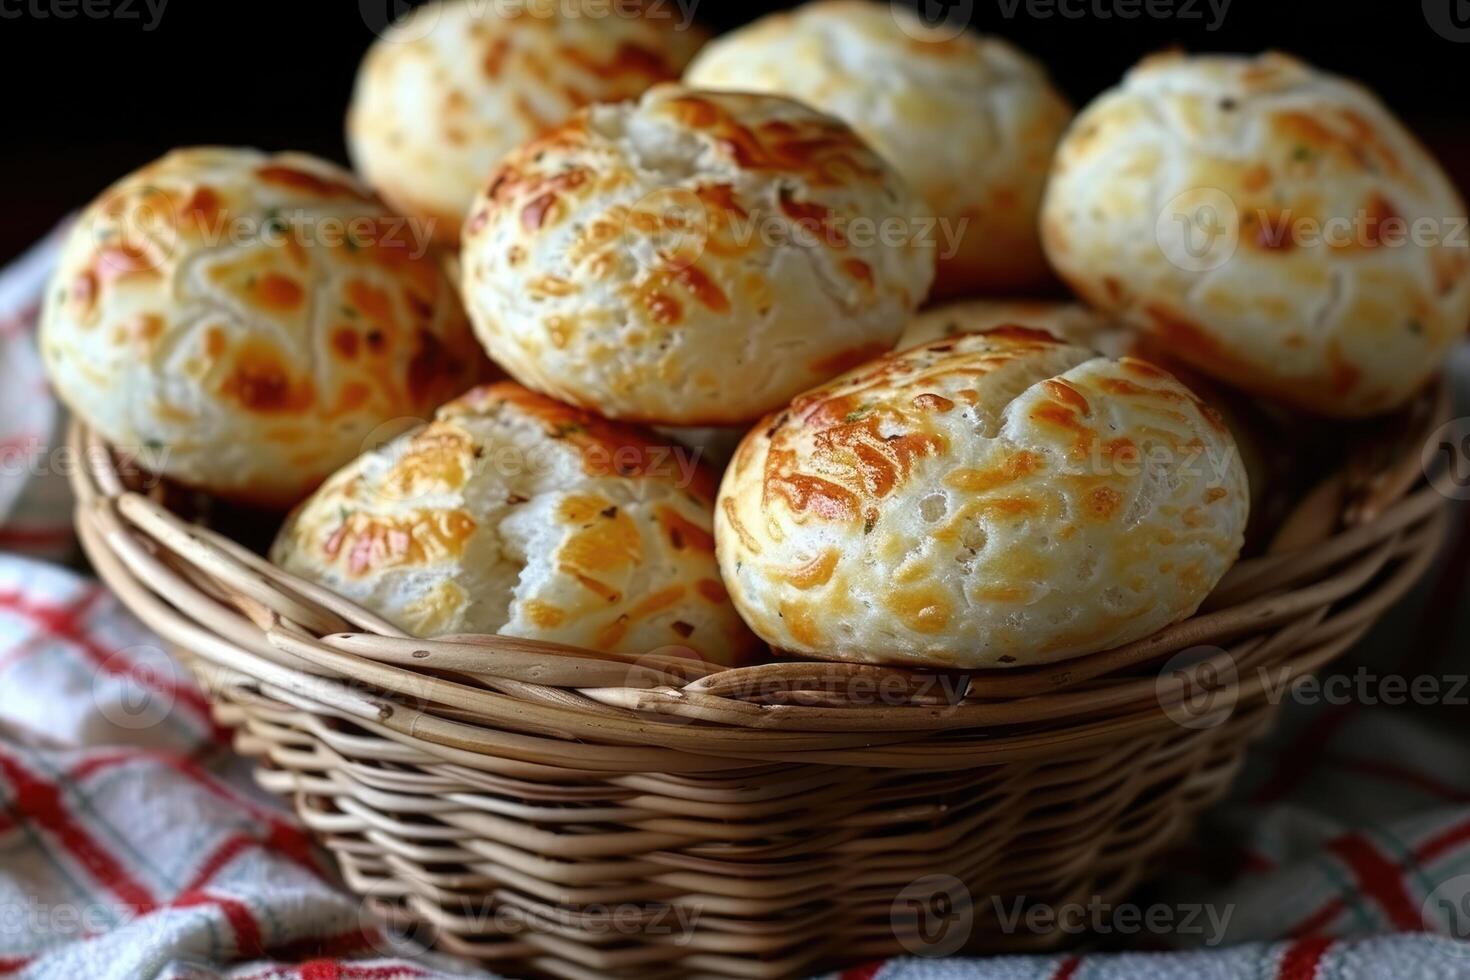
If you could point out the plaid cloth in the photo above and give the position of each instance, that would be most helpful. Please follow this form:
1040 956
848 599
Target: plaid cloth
132 844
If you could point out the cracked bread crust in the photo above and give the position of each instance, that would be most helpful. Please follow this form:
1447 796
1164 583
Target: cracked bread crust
1083 326
1072 322
692 259
990 500
1293 186
248 320
514 514
969 121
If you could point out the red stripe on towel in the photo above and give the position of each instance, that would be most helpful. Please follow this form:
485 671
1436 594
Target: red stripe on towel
1380 879
39 802
1302 959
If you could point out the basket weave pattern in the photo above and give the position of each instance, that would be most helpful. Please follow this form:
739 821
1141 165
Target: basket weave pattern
552 810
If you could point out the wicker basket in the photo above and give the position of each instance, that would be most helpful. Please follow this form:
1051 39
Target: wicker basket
554 811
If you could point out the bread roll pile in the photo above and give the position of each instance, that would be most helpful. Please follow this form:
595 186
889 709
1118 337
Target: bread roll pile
1005 481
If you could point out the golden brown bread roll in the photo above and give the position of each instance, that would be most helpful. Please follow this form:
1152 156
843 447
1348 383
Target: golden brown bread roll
988 500
967 119
1273 225
447 92
692 259
512 513
244 322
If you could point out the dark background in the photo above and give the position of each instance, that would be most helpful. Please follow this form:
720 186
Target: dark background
88 99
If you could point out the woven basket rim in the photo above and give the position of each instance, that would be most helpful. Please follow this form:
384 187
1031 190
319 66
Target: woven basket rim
1356 543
